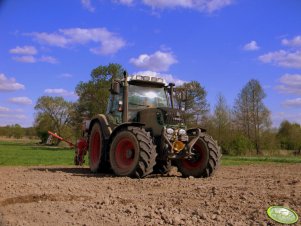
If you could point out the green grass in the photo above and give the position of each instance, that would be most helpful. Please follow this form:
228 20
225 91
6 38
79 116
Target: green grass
247 160
27 153
30 154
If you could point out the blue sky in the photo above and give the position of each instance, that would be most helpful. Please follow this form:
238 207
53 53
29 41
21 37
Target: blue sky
48 47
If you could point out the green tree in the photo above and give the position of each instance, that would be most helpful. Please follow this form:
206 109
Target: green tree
289 135
53 113
4 131
107 73
30 132
239 144
195 103
17 131
252 117
93 95
43 124
269 141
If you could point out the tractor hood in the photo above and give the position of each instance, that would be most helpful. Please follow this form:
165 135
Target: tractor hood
156 118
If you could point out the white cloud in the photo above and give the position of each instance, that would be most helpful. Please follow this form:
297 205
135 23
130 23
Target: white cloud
32 59
21 100
50 38
108 42
214 5
9 84
60 92
66 75
296 41
25 59
278 117
168 77
251 46
208 6
9 110
13 116
158 61
290 83
283 58
10 116
25 50
48 59
88 5
293 102
124 2
4 109
291 79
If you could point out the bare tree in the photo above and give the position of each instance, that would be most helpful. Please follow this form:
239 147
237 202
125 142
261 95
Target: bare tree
251 115
222 121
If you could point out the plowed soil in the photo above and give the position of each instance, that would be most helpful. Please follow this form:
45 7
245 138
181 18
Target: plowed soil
73 196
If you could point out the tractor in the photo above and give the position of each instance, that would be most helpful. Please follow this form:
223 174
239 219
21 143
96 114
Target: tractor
143 132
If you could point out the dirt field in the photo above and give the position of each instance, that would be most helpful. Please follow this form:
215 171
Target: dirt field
72 196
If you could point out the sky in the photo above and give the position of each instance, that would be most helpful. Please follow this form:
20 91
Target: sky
48 47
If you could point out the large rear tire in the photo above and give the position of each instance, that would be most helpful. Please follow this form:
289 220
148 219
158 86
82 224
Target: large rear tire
132 153
205 161
95 148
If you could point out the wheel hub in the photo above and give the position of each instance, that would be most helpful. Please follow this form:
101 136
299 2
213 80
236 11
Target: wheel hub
129 154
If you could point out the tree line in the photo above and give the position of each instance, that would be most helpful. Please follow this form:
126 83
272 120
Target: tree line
242 129
16 131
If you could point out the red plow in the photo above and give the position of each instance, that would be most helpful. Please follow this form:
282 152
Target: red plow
81 148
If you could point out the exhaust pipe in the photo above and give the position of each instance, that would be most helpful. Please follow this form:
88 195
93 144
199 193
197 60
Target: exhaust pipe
125 98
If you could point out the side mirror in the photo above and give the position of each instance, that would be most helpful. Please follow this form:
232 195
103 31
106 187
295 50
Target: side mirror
115 87
170 88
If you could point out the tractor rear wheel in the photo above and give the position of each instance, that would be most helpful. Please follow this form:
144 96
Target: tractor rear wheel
95 148
132 153
205 161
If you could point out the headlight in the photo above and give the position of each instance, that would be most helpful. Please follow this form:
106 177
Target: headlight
169 131
182 132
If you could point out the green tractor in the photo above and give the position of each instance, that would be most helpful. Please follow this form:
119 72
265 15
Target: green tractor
143 132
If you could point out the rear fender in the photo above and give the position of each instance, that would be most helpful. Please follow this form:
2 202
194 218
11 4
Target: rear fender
105 126
106 131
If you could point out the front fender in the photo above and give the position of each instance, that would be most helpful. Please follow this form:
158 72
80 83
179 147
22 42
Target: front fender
191 130
124 125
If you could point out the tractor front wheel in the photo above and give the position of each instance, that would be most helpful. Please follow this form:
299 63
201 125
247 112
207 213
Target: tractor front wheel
95 148
132 153
205 159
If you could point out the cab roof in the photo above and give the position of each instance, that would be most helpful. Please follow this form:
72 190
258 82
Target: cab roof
147 80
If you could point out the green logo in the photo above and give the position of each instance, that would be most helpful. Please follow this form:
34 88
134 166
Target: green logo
282 215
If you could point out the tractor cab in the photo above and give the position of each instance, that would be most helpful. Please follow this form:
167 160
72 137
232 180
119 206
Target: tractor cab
142 92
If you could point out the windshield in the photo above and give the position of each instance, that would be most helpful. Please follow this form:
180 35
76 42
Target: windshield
147 97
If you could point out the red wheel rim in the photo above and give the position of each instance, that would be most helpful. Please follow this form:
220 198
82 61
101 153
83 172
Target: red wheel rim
95 152
198 160
125 153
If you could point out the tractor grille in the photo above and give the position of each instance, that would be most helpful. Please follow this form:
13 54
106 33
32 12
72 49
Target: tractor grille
172 117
